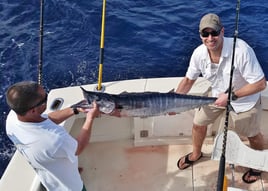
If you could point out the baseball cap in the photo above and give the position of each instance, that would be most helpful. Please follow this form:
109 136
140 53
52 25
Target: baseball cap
210 20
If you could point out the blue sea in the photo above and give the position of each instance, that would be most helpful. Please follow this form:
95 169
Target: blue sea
143 39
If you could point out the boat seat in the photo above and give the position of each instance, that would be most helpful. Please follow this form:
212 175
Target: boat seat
238 153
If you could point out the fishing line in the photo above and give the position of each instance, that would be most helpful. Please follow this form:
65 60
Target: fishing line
40 61
228 108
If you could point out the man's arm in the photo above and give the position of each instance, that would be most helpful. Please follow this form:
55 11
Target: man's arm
244 91
85 132
251 88
185 86
60 115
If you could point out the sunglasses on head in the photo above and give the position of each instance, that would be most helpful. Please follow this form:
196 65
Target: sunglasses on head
212 33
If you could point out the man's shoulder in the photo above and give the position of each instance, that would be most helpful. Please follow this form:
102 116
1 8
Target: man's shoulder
200 50
239 42
11 119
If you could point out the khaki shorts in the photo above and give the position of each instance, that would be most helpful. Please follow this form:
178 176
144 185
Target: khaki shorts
244 123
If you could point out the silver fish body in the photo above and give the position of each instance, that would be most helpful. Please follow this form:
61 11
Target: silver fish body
145 104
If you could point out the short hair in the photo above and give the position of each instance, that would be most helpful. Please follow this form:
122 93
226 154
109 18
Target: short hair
21 96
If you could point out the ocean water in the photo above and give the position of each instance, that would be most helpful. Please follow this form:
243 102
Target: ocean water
143 39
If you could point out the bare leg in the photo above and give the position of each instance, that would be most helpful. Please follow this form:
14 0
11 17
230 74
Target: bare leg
198 137
256 143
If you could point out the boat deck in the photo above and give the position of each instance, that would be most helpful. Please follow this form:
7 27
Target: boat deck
126 164
118 165
119 157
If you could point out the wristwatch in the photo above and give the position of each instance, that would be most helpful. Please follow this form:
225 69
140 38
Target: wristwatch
234 97
75 110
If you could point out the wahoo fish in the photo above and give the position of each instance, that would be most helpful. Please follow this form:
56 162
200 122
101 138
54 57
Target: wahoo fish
144 104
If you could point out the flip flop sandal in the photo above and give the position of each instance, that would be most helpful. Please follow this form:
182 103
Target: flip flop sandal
250 173
187 161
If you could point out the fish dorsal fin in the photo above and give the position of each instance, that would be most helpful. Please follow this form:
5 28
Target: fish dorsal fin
124 92
172 90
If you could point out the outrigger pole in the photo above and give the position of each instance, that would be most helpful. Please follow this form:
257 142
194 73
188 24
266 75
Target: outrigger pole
100 88
40 61
228 108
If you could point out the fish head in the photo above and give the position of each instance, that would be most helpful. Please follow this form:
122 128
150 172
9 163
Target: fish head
104 101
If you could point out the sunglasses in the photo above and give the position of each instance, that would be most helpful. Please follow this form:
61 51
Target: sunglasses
212 33
43 101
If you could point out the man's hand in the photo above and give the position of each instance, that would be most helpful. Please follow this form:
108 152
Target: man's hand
91 112
222 100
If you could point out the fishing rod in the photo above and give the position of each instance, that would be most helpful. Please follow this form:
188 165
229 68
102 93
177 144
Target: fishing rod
228 108
99 87
40 61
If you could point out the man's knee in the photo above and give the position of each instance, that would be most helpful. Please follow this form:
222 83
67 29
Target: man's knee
200 128
256 142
